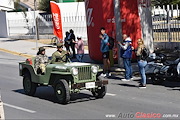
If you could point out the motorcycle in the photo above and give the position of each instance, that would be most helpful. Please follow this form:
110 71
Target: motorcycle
159 69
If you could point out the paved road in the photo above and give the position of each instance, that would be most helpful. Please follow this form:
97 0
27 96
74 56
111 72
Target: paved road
122 99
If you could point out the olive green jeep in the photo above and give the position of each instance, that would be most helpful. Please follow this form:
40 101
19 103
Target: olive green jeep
65 78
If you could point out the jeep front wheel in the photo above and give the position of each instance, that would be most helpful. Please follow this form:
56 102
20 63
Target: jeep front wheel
61 90
28 85
100 93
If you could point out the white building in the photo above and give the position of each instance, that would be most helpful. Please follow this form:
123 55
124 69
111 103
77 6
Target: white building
6 5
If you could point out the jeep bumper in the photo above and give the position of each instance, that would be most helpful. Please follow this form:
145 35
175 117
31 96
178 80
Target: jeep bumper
83 85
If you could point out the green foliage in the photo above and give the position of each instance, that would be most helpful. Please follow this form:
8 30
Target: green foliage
165 2
18 7
44 5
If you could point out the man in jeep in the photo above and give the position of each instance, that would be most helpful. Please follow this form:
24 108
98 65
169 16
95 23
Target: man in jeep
59 56
41 61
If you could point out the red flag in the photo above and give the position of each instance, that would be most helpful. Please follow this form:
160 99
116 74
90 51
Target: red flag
57 23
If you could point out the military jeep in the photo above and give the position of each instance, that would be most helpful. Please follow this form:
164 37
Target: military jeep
65 78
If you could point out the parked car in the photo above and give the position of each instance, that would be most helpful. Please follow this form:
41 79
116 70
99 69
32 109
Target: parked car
65 78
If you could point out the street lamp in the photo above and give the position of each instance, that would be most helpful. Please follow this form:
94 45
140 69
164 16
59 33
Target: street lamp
36 23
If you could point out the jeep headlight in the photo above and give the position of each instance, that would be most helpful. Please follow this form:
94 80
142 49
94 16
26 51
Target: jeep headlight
74 71
20 66
94 69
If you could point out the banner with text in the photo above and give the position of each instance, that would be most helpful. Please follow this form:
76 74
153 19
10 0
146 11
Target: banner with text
57 23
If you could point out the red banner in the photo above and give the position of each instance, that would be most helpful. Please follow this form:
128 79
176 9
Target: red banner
57 23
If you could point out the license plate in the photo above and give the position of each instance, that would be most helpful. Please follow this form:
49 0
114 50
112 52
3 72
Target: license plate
90 85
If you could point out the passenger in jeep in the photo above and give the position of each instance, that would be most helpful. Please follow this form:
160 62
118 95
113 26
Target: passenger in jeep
41 61
59 56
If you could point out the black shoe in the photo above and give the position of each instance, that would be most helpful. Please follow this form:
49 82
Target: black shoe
142 86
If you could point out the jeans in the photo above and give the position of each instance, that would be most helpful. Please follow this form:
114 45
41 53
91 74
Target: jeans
79 57
128 68
142 65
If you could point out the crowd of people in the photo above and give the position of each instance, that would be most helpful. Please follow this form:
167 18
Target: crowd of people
126 50
70 41
61 55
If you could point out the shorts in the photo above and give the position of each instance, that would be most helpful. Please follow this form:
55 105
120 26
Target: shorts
105 55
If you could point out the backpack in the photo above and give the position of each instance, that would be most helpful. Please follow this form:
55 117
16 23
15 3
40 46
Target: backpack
111 43
127 54
145 54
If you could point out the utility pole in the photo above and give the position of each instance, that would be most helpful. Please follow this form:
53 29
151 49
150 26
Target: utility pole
36 23
118 28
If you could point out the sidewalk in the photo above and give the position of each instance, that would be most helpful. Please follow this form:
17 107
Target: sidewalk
28 49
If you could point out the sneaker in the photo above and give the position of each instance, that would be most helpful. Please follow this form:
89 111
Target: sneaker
125 80
142 86
108 75
103 75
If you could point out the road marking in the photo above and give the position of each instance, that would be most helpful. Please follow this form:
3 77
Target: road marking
110 94
19 108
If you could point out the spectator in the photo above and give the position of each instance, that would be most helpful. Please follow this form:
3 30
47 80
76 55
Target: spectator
126 54
41 61
105 52
71 37
67 41
141 63
80 49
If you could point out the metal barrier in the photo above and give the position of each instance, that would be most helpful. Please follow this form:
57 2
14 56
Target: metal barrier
166 24
25 26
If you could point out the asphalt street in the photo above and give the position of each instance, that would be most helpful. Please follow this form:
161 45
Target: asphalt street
124 100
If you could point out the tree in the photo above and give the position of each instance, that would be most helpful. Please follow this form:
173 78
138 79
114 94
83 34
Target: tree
18 7
165 2
44 5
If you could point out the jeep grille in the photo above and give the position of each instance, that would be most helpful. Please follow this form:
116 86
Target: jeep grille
84 73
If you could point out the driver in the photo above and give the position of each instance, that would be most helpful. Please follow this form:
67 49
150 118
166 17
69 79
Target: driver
59 56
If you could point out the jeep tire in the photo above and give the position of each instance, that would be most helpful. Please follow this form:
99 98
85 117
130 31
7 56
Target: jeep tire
100 93
28 85
61 90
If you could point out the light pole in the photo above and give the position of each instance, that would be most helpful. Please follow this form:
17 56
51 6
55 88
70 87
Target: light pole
36 23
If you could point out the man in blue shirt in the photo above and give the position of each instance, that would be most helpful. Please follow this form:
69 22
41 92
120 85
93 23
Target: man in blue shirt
126 54
105 52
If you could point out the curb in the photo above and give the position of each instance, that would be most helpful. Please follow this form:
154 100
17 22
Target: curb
16 53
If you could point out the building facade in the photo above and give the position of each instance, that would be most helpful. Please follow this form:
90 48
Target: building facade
6 5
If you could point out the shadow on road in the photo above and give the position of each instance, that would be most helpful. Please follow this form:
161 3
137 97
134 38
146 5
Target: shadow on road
9 40
127 85
47 93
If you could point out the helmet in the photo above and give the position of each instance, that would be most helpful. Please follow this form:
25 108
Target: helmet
41 49
59 45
